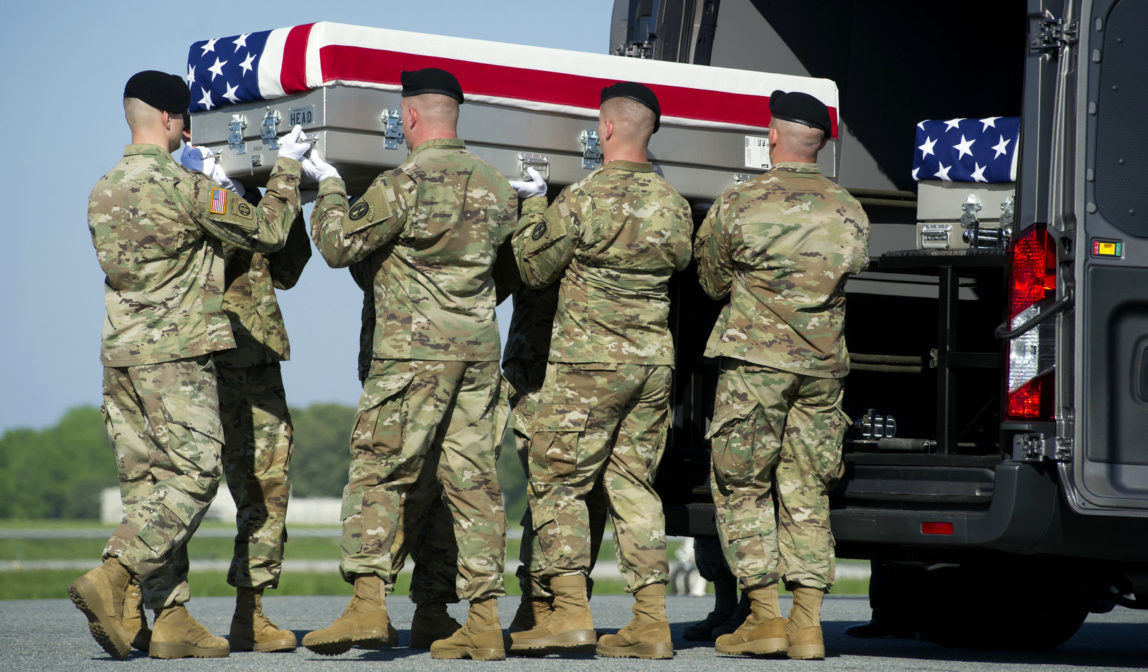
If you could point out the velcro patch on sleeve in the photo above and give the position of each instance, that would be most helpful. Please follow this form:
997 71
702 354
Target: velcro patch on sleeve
218 200
372 208
228 207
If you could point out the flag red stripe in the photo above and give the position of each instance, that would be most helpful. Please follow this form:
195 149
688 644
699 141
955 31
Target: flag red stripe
378 66
293 72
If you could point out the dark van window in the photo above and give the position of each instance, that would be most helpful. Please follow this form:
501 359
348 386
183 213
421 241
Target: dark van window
1121 159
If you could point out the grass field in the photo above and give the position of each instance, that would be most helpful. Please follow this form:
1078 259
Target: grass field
37 583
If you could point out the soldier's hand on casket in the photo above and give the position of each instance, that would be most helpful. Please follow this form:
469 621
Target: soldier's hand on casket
199 159
219 177
535 187
294 145
317 169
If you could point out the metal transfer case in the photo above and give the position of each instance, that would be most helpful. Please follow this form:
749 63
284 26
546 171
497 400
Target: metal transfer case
714 128
960 215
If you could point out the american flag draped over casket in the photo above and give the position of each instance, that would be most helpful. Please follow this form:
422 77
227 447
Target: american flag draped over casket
271 64
967 150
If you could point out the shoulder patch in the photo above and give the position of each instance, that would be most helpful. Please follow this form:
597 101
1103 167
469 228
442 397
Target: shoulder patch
372 208
228 207
218 200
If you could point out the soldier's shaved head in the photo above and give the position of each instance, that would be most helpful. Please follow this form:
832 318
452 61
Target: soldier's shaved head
436 109
428 116
139 114
152 126
633 122
795 142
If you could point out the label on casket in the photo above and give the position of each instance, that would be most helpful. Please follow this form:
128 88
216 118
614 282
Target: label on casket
756 152
301 116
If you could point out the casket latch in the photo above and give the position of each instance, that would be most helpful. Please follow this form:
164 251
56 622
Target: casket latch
591 150
235 133
269 130
392 121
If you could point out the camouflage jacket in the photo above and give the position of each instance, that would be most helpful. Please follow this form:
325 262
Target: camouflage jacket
781 246
440 217
614 239
249 298
158 230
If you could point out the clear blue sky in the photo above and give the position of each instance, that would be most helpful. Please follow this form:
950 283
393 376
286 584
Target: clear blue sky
62 118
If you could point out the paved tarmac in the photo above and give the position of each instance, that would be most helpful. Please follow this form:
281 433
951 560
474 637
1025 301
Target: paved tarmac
52 635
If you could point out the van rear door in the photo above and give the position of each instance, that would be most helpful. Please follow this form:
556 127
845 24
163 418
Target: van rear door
1109 462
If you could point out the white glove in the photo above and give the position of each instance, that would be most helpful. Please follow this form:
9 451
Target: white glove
317 169
219 177
199 159
294 145
535 187
202 160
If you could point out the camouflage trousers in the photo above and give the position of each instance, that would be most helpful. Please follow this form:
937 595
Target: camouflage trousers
523 380
412 412
163 423
256 464
600 422
778 435
426 534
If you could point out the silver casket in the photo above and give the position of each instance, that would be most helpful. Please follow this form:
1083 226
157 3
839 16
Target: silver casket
525 106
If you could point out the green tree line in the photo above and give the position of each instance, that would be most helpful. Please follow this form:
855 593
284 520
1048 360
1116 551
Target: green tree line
59 471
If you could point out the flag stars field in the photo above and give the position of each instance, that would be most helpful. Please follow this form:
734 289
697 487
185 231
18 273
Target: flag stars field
962 150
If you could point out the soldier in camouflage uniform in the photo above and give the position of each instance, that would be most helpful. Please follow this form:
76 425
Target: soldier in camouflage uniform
433 387
780 247
614 239
523 369
159 230
256 422
426 533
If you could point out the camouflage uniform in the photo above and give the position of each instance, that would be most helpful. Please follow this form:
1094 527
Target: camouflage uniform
157 229
427 524
780 247
614 238
523 370
432 389
253 406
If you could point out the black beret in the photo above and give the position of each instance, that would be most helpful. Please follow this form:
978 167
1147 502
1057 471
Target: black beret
801 108
430 80
635 91
160 90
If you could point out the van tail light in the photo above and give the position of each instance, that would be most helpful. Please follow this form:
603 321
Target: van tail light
1031 288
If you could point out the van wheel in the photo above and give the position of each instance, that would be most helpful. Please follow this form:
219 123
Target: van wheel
1002 605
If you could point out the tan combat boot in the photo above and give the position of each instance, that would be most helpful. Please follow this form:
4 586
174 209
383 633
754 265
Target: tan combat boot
531 611
364 622
480 638
647 635
135 618
178 635
100 595
251 630
431 623
763 632
804 624
569 626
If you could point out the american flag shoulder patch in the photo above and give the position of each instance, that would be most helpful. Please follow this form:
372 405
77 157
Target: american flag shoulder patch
218 201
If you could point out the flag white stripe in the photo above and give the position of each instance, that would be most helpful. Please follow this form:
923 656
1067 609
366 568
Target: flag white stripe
271 64
562 61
